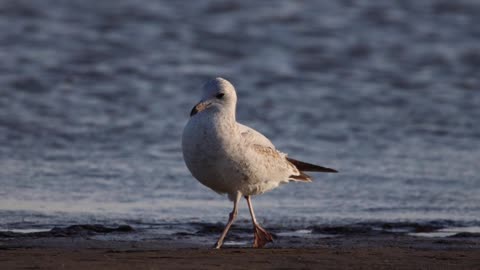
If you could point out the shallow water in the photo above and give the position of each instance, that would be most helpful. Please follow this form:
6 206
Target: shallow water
94 97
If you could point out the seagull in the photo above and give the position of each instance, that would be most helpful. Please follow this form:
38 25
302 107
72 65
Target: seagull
233 159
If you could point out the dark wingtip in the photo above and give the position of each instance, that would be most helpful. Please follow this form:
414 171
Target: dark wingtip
332 170
304 166
193 111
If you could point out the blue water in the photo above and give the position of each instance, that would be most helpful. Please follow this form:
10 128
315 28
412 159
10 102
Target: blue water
94 96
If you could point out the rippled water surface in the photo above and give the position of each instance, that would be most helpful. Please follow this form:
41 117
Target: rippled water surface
94 96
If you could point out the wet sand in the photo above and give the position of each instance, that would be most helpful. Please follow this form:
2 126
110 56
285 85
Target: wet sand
325 258
352 252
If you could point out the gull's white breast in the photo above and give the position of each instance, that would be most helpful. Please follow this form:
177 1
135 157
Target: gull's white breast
228 157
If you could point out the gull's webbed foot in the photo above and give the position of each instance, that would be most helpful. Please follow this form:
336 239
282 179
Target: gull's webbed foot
262 237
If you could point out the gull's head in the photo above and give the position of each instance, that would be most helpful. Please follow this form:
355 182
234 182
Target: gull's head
217 94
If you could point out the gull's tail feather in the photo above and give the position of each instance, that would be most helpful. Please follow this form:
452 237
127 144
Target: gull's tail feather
303 166
301 177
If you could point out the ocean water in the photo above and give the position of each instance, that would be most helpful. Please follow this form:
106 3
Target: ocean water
94 96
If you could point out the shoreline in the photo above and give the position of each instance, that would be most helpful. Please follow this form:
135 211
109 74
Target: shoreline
353 251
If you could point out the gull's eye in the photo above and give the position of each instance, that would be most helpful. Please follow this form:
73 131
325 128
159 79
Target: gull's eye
219 96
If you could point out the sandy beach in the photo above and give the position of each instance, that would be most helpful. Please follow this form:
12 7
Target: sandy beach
341 252
325 258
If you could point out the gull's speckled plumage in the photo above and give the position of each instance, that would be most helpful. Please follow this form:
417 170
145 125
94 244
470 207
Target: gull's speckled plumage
232 158
227 156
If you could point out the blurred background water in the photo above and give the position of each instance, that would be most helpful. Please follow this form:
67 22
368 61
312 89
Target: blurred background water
94 96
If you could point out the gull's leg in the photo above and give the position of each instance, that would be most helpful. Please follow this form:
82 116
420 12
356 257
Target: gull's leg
231 218
262 237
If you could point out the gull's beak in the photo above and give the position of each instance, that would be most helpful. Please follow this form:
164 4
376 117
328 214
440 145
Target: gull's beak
199 107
